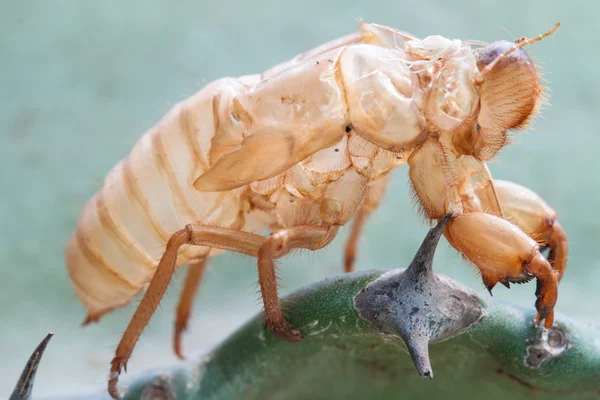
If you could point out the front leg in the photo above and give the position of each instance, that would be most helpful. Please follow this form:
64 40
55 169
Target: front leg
532 214
448 162
504 253
485 185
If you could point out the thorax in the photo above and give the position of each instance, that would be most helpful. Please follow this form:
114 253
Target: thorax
338 176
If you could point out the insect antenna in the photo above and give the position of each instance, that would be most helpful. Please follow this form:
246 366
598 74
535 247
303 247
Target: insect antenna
509 34
522 42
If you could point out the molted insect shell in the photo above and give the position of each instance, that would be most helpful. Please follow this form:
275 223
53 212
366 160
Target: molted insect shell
431 46
510 91
453 97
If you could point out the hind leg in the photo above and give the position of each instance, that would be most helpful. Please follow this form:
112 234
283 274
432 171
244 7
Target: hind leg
193 278
266 249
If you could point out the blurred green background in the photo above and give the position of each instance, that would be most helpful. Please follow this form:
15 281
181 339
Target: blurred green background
81 81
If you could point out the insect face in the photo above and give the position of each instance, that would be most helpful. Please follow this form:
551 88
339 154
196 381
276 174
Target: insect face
510 91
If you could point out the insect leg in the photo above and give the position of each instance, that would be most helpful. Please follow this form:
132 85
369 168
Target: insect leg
265 248
352 242
482 178
193 278
504 253
452 201
532 214
374 196
228 239
559 249
278 244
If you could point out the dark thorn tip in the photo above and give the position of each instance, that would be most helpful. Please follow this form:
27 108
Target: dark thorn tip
24 386
427 375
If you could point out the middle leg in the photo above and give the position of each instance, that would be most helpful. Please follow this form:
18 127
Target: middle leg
277 244
374 195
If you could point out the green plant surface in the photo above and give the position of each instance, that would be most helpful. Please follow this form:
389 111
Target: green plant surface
378 334
344 357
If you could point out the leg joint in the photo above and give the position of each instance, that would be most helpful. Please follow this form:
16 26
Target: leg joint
278 243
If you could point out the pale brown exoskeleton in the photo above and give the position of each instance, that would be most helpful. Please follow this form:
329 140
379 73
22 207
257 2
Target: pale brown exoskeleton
305 147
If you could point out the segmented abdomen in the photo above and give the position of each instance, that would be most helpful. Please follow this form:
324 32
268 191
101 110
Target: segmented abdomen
122 232
308 105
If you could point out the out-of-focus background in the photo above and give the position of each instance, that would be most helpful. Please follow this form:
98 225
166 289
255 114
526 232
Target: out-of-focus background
81 81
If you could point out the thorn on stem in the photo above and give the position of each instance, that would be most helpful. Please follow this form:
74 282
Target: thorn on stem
24 385
417 305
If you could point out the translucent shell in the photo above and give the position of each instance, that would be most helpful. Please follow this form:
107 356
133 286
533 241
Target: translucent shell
453 96
381 97
499 248
523 206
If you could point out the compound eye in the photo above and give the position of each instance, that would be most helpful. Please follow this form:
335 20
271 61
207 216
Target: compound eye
510 92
